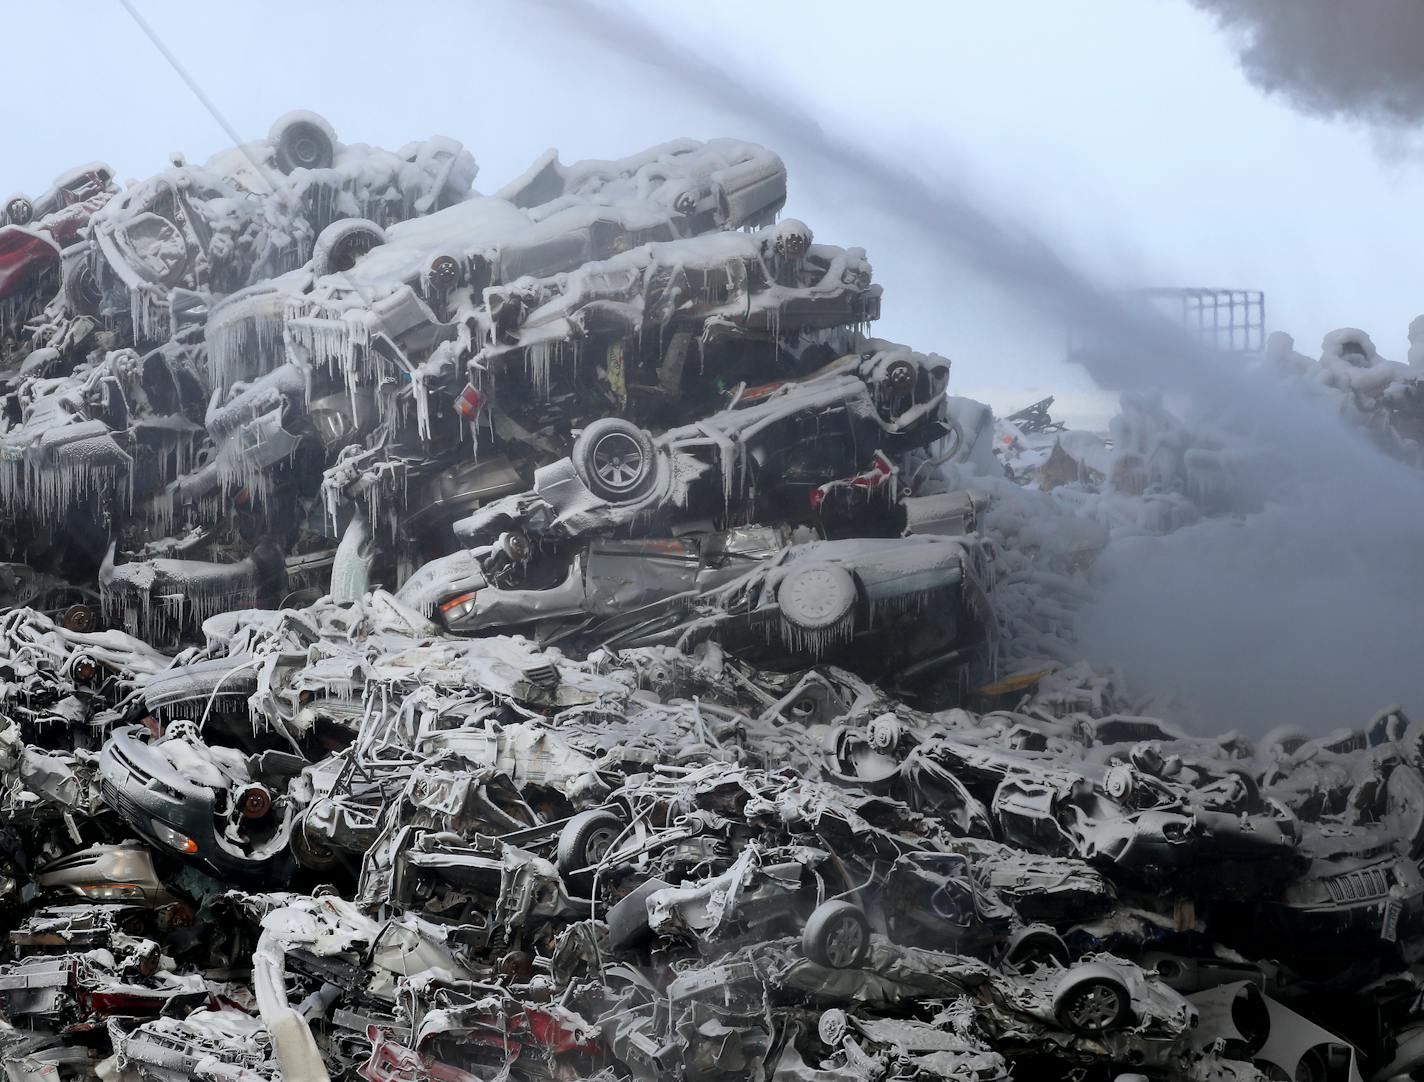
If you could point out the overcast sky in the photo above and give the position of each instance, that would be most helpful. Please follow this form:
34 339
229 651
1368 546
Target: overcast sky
1121 131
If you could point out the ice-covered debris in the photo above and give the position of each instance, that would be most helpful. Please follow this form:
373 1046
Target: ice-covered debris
587 653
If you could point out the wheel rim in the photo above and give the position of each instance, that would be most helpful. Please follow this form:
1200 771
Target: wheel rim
1094 1008
598 844
305 147
844 942
618 461
86 288
815 596
79 618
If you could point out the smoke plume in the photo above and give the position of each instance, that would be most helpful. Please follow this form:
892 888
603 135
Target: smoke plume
1308 614
1343 59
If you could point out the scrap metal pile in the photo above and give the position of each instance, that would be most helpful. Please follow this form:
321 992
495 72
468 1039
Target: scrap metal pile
538 636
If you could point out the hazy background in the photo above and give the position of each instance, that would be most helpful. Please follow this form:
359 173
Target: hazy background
1124 132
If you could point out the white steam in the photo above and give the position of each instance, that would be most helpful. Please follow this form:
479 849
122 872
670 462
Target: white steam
1307 613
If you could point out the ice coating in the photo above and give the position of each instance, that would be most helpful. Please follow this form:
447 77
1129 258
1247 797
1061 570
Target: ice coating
560 641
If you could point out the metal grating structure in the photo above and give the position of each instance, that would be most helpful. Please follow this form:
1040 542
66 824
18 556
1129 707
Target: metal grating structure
1232 320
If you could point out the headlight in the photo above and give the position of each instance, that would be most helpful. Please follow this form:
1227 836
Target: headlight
459 606
109 892
169 836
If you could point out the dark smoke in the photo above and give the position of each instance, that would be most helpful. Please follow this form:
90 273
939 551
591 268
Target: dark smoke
1343 59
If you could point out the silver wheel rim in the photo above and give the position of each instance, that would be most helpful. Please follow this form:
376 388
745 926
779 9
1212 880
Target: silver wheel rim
599 843
844 942
618 461
1094 1008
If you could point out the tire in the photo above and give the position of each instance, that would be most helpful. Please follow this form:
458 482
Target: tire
614 459
18 211
310 854
342 243
586 839
303 140
1032 947
674 361
818 600
1092 1006
837 936
81 289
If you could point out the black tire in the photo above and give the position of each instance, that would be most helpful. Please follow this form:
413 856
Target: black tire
81 289
837 936
303 141
614 458
342 243
1093 1006
18 211
310 853
674 362
586 839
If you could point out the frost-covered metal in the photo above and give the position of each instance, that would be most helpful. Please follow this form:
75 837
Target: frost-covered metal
546 635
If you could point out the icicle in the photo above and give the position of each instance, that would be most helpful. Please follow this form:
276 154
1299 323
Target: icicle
149 312
246 340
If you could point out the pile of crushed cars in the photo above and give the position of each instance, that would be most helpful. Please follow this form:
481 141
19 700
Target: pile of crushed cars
534 636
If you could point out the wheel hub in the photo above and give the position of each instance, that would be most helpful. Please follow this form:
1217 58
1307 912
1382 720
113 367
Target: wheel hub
618 461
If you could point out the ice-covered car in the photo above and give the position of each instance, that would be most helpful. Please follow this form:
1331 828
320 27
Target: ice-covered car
1145 825
251 211
79 987
501 895
34 234
922 898
224 1045
755 595
197 802
161 595
471 1029
420 276
1101 1009
765 459
669 326
909 1047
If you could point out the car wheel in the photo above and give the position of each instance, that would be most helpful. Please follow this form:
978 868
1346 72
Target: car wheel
586 839
1092 1006
837 936
1032 947
309 853
898 385
342 243
614 458
81 618
19 211
832 1027
81 289
303 141
817 604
